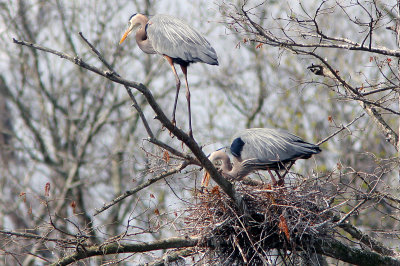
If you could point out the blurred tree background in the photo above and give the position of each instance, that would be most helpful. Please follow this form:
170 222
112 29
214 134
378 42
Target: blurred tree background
70 140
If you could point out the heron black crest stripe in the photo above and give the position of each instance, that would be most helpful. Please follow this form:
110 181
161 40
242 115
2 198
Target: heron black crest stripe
132 16
237 147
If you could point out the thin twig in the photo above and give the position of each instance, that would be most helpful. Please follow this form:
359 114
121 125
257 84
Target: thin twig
34 236
339 130
380 90
350 212
142 186
135 104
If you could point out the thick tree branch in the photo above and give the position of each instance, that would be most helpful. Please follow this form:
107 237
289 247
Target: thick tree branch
171 257
118 248
366 239
335 249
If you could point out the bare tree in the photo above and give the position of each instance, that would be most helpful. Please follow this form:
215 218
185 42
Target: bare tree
83 171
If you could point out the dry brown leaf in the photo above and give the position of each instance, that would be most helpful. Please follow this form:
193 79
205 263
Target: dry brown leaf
73 206
283 227
47 189
166 156
23 194
215 191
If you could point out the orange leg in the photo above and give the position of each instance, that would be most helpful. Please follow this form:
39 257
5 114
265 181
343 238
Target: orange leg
178 86
206 180
184 70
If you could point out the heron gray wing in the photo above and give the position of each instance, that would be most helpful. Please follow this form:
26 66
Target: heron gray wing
270 146
175 38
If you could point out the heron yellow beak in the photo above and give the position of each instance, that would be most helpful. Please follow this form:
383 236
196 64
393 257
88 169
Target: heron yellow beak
131 28
125 35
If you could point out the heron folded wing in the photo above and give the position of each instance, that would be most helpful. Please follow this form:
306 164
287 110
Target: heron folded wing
270 146
177 39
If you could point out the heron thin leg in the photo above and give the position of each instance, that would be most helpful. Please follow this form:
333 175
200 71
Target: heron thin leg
287 169
206 180
272 178
281 181
178 86
184 70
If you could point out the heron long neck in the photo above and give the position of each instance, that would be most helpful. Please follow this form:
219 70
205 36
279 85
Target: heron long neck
141 36
226 166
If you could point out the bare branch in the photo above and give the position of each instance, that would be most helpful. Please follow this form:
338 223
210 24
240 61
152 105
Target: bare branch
118 248
390 134
169 257
343 127
366 239
38 237
335 249
142 186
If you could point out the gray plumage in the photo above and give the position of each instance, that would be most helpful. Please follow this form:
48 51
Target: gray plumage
177 42
173 37
263 149
273 147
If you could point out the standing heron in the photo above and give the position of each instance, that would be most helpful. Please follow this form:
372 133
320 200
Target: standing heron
263 149
177 42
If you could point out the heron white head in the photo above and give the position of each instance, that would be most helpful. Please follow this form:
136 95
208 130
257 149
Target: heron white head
135 21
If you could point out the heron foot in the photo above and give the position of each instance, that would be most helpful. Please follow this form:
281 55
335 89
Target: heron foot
281 181
174 124
190 134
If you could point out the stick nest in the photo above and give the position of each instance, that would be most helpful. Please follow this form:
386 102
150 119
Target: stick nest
275 224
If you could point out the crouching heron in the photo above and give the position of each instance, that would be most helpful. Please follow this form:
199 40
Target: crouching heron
263 149
177 42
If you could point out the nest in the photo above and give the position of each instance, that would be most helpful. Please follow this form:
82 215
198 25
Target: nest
276 224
